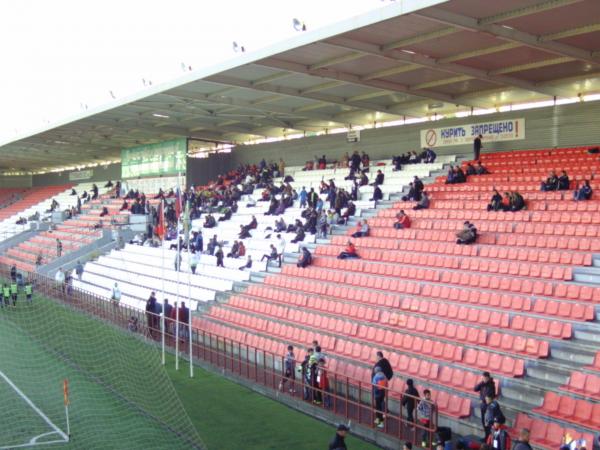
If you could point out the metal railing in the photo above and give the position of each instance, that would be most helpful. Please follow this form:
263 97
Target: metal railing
347 397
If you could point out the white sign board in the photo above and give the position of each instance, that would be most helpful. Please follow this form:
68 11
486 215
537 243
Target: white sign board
502 130
353 136
81 175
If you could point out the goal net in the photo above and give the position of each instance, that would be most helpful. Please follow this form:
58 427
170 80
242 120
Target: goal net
120 395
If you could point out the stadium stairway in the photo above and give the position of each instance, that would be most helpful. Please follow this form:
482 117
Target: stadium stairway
514 303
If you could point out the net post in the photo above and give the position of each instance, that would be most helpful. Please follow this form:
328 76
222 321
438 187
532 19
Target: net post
162 329
176 336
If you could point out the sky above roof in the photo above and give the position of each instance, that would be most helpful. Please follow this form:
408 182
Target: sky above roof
61 56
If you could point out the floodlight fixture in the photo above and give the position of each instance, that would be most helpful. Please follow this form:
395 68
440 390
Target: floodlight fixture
298 25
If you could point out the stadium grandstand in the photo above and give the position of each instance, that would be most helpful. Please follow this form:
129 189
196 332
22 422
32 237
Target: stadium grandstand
390 224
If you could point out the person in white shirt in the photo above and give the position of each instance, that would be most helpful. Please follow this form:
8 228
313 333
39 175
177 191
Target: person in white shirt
115 295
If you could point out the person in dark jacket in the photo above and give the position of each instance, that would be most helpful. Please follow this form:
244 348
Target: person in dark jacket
499 438
409 399
487 386
385 365
219 255
523 442
563 181
493 413
337 443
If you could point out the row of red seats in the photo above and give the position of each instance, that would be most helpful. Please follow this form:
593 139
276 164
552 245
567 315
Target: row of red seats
570 310
581 412
382 267
483 281
369 249
483 187
585 384
547 435
480 206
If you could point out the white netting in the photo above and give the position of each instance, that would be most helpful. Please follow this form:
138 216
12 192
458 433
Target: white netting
120 394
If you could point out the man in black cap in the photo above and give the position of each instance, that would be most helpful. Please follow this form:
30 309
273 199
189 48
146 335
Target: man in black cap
337 443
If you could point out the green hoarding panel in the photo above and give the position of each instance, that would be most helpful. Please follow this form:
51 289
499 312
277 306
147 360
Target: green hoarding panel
163 158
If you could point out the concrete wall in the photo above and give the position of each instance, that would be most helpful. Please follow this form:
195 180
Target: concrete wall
17 181
101 173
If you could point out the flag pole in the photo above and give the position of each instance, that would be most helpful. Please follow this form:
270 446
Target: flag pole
187 228
178 269
162 243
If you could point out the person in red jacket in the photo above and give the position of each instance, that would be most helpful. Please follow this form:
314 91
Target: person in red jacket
349 251
322 385
402 221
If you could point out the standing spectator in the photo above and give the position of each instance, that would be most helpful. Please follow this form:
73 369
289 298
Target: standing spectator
184 319
385 365
59 278
402 221
430 156
177 261
563 181
322 382
115 294
14 291
426 416
194 260
492 413
289 370
523 442
477 146
410 399
380 384
337 443
308 373
219 255
499 438
13 272
303 197
150 313
6 294
59 248
167 311
487 386
79 269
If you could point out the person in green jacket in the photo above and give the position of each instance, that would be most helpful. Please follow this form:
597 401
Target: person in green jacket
28 291
14 292
6 294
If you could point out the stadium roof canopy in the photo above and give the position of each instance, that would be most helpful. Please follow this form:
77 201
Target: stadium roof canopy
411 59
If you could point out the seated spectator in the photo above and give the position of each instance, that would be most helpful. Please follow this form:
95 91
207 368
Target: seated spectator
272 207
517 202
226 215
322 163
244 232
471 170
253 223
402 221
480 170
109 184
241 249
413 194
73 191
212 245
423 203
248 264
349 251
304 259
563 181
413 158
300 235
378 179
363 179
349 212
430 156
235 248
365 160
21 221
362 229
280 226
467 235
124 206
495 202
209 221
377 194
272 256
551 183
104 211
584 192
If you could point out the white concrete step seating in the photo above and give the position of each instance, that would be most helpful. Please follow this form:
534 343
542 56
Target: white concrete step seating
153 257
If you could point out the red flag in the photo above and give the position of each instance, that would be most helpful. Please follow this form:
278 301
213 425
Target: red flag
177 203
160 227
